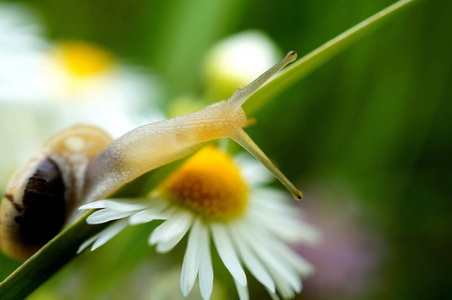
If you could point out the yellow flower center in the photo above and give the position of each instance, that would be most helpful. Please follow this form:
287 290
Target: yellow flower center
82 59
209 184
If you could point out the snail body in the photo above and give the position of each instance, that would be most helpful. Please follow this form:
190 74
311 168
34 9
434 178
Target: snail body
159 143
82 164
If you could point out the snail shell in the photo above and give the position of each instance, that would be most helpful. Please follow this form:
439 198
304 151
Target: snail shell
42 196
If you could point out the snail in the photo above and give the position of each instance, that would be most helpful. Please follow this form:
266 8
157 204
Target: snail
83 164
41 195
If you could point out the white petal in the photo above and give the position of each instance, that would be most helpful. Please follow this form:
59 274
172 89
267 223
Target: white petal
288 255
174 226
284 288
146 216
303 266
94 205
190 265
273 295
274 261
227 253
119 205
126 205
172 241
87 243
242 291
105 215
109 233
251 261
205 268
287 228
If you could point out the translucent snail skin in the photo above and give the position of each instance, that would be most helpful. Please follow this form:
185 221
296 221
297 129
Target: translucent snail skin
82 164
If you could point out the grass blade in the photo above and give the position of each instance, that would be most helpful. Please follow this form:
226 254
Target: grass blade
47 261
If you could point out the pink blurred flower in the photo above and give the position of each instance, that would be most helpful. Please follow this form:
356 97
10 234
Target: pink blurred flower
348 257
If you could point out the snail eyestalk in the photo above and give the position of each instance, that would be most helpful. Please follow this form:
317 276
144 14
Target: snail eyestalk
241 95
244 140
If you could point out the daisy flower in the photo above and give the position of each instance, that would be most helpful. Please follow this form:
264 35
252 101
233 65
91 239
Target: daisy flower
214 196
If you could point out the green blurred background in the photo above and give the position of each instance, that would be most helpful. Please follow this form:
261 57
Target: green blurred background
370 131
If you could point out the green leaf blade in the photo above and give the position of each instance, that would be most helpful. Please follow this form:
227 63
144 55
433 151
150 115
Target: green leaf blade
47 261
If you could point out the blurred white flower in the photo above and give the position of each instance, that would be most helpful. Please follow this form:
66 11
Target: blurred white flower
212 195
237 60
75 81
46 87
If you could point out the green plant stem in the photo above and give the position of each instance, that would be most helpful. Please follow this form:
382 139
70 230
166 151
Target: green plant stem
47 261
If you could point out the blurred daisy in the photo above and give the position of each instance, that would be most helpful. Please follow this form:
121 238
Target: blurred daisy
74 81
46 87
237 60
212 195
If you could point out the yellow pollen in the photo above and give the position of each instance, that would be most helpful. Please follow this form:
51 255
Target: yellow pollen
208 184
82 59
